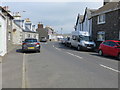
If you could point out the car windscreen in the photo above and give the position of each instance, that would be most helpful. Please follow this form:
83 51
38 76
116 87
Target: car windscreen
43 37
30 40
87 38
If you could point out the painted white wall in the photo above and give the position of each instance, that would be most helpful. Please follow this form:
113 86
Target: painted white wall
17 35
3 31
87 25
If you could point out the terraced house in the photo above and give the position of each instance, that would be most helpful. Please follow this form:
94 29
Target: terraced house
106 22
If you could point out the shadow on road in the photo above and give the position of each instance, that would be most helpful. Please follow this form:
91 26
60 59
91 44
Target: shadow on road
93 53
105 56
26 52
62 46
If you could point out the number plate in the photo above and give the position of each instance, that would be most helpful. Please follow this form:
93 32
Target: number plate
31 48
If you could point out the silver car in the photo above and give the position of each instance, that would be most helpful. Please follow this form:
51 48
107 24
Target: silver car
31 44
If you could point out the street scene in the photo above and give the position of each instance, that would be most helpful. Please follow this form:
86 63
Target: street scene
58 66
42 47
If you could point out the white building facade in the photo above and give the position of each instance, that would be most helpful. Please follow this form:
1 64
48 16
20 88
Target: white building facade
3 35
84 22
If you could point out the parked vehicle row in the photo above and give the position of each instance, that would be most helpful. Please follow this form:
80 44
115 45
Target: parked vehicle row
82 41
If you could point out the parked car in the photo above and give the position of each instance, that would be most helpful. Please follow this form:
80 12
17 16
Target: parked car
63 40
43 39
110 47
31 44
68 42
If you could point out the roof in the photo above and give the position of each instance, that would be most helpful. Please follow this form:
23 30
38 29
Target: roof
79 18
8 14
88 12
111 6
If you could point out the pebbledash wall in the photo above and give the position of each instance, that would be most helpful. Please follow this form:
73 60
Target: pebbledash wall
111 27
3 30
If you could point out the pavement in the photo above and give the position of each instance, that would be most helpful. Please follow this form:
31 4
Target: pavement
57 66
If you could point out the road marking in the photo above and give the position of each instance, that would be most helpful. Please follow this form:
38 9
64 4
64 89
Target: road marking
23 73
53 46
74 55
58 49
109 68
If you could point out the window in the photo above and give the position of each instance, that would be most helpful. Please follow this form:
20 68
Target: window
74 37
28 35
101 19
101 36
34 36
112 44
31 40
106 43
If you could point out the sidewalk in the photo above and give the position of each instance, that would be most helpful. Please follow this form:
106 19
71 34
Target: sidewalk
12 65
13 47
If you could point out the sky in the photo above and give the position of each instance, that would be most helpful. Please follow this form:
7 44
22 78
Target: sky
58 15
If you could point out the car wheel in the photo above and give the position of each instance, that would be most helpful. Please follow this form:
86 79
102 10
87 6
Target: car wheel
100 53
118 57
78 48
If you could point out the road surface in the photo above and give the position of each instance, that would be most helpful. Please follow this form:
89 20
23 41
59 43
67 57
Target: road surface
57 66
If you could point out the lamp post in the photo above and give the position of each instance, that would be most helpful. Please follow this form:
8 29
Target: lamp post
61 30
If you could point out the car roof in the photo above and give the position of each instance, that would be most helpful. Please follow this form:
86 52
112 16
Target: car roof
112 40
30 38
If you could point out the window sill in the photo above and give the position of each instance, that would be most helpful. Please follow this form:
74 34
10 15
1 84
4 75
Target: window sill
101 23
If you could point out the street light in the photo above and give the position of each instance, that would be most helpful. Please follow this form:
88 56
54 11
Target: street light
61 30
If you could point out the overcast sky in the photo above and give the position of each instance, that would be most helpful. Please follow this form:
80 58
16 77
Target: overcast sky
55 14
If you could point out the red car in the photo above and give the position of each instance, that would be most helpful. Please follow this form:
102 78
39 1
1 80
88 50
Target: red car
110 47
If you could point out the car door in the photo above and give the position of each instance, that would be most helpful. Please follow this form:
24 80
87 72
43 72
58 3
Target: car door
112 49
105 47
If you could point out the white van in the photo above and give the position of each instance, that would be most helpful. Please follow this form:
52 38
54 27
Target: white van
82 40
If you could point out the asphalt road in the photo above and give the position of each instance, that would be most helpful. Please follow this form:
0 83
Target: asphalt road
57 66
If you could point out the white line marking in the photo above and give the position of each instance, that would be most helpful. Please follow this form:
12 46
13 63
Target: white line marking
23 72
74 55
57 49
110 68
70 53
53 46
78 57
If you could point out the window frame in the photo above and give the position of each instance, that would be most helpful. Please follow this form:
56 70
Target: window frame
101 33
101 18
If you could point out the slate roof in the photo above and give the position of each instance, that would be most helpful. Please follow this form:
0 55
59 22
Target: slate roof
111 6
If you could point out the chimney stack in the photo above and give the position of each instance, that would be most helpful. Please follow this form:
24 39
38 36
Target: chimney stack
40 25
106 1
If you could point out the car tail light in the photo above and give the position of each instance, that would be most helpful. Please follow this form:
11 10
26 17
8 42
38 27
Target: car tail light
37 43
24 44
